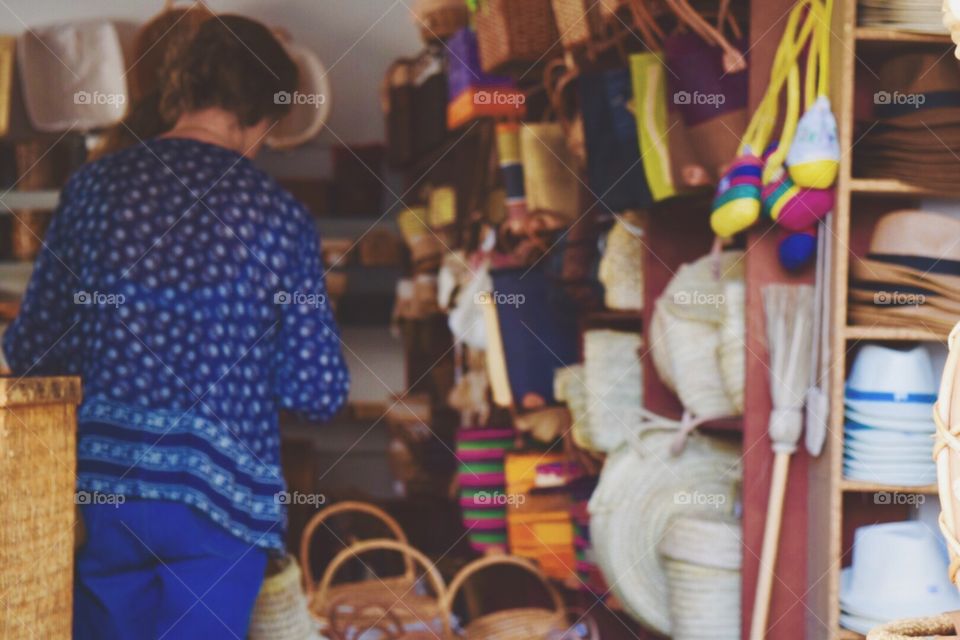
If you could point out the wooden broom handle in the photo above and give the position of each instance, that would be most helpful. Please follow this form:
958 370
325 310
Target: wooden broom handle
348 506
771 542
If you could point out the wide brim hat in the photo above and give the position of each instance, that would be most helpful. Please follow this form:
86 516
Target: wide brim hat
934 76
642 488
73 76
899 570
310 103
927 318
915 243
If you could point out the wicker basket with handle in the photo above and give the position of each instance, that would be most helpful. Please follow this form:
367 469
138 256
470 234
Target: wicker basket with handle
349 507
515 34
37 505
399 596
521 623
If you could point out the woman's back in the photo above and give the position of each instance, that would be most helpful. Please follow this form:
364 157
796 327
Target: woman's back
186 288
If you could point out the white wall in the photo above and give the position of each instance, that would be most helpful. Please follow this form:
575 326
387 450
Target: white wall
356 39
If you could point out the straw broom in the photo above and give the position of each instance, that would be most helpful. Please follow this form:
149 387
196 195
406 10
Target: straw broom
789 315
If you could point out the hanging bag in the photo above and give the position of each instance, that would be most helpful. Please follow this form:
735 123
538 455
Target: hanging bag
736 205
814 157
515 34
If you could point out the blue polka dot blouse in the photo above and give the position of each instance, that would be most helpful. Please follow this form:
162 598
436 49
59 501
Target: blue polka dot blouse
186 288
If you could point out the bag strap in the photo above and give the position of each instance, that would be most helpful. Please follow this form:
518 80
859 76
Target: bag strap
502 560
761 125
347 506
733 59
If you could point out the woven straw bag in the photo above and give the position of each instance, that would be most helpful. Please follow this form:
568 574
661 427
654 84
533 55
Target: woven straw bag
621 267
946 452
280 612
400 596
37 505
515 33
522 623
944 626
440 19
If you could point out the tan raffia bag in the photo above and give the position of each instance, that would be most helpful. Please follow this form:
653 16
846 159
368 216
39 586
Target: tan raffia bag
549 170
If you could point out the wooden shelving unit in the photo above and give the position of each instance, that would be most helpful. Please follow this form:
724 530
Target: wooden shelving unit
831 517
855 486
892 334
874 34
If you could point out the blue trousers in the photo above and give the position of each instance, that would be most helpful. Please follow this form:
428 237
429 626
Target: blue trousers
152 569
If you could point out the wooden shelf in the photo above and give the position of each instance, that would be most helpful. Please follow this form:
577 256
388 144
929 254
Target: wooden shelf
44 200
877 34
856 486
888 186
899 334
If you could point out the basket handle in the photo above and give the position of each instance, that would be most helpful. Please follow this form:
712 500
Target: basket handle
348 506
410 555
489 561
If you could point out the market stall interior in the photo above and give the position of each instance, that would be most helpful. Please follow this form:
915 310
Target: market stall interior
645 306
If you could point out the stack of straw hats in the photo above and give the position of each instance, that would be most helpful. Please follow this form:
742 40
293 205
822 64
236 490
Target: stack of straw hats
642 488
899 570
916 137
925 16
614 385
888 408
697 335
911 275
570 387
702 557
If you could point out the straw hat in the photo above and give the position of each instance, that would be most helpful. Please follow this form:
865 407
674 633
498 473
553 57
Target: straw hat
934 76
642 488
913 247
695 333
899 570
702 557
73 76
892 383
311 101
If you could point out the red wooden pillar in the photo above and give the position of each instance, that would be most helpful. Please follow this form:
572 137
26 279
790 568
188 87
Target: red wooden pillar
787 611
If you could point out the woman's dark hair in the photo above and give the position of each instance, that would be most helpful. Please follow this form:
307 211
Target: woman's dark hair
233 63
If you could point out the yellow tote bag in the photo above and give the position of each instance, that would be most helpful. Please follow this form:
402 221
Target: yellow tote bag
650 111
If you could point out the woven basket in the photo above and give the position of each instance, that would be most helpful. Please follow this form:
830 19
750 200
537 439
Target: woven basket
440 19
515 33
941 626
280 612
524 623
578 21
37 505
400 596
338 509
621 267
946 452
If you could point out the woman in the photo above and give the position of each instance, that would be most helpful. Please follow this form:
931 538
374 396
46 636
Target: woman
186 288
